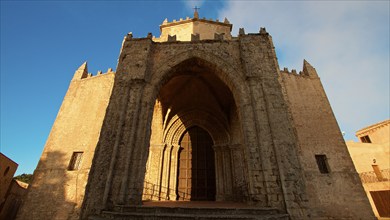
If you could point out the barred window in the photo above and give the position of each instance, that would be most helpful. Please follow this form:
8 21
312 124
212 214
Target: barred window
75 161
322 163
365 139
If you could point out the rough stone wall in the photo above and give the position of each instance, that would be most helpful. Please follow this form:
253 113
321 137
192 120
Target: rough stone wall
338 194
15 195
248 67
207 30
55 191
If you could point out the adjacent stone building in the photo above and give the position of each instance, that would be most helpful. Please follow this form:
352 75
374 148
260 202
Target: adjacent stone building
196 115
7 170
11 191
371 157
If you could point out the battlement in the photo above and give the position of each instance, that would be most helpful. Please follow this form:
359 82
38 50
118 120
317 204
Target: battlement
82 72
195 36
185 28
174 22
100 73
307 71
293 71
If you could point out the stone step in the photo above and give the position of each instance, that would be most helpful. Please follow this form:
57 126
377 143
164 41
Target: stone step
176 216
198 213
196 210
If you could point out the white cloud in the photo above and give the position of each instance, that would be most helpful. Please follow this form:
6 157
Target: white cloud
347 42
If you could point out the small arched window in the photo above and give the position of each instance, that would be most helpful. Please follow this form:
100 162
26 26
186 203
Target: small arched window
6 171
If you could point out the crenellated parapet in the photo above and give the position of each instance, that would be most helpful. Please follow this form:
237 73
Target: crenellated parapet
177 36
195 18
82 72
184 29
292 72
307 71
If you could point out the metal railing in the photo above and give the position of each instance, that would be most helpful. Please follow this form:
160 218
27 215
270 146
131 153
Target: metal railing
372 177
157 192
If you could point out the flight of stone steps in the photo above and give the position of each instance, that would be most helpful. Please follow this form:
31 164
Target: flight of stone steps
182 213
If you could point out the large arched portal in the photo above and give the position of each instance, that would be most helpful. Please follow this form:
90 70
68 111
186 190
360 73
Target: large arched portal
196 150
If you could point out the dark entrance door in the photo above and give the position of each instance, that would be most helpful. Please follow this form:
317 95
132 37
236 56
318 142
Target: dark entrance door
382 202
196 176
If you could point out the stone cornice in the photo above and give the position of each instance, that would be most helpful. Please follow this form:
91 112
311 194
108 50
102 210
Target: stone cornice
169 24
371 128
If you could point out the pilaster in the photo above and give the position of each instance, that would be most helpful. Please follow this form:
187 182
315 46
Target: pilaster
129 186
154 179
220 186
240 179
224 183
166 171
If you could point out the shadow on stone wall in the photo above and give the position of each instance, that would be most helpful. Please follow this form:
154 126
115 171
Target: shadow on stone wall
16 192
50 193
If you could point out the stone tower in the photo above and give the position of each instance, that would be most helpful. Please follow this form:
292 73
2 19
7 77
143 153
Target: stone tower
196 114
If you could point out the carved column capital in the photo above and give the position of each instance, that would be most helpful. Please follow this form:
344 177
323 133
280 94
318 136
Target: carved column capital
220 147
156 147
175 147
234 147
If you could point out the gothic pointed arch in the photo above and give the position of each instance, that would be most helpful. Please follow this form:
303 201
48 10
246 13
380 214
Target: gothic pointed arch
179 123
195 89
225 71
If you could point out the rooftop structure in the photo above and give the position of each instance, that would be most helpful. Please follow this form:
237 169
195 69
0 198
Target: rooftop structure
194 29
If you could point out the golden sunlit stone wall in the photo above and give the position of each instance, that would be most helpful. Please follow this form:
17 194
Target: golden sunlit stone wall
57 192
184 29
318 133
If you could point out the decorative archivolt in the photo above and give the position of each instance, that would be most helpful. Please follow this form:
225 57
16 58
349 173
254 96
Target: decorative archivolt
226 71
181 122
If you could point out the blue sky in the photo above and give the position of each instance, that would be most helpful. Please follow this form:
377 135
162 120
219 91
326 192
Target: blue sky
44 42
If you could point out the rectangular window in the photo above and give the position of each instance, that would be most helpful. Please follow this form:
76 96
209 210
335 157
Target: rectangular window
322 163
365 139
75 161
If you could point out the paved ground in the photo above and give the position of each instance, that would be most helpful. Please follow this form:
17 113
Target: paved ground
196 204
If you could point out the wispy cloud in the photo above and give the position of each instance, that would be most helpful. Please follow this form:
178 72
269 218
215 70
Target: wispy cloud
347 42
190 4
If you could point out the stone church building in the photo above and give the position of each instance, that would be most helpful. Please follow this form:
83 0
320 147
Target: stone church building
196 116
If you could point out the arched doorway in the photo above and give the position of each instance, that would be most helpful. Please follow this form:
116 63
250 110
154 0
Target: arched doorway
196 168
195 97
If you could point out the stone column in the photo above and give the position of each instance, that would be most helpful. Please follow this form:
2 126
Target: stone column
227 173
173 175
165 175
219 185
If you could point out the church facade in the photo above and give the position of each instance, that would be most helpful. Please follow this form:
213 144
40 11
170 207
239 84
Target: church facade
196 115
